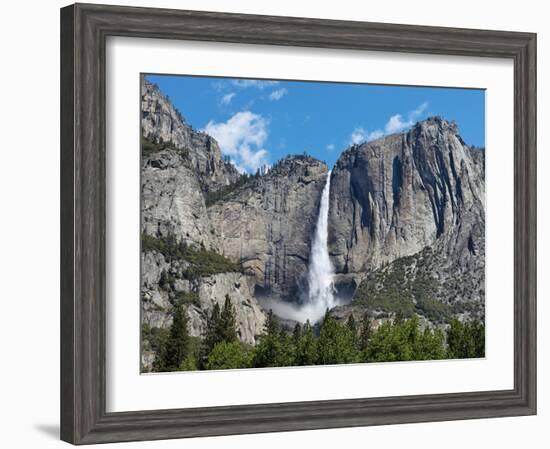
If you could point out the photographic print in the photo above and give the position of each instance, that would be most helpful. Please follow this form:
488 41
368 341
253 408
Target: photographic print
299 223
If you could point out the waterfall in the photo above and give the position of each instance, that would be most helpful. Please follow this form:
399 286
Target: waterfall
321 271
320 275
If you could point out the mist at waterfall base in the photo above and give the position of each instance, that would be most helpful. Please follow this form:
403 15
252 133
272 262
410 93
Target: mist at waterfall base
321 294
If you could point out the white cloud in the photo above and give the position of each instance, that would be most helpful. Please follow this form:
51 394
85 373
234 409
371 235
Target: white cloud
415 115
376 134
242 138
277 94
358 135
361 135
331 147
259 84
226 99
253 159
395 124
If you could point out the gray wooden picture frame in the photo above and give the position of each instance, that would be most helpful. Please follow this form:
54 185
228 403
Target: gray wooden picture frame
84 29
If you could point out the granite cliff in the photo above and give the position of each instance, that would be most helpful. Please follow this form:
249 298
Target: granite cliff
406 226
414 199
162 123
268 223
180 168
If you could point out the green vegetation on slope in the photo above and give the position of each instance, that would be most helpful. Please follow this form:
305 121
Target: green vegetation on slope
391 289
201 262
148 147
217 195
406 287
153 338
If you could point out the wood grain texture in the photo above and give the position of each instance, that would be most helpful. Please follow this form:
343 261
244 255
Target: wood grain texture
84 29
67 226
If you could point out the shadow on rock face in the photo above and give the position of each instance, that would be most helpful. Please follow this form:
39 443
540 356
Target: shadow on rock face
345 286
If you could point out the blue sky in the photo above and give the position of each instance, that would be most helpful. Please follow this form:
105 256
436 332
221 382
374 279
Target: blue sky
258 122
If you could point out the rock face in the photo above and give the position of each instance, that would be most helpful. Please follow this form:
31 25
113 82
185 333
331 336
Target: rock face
178 170
158 300
268 225
175 179
161 122
395 196
240 288
156 306
172 202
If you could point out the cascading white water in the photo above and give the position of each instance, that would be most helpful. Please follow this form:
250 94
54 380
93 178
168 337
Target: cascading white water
321 271
320 274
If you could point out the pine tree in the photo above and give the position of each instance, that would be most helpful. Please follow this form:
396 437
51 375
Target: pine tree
398 317
271 324
285 355
275 347
456 340
477 330
306 350
228 322
411 329
386 344
229 356
365 334
352 326
466 340
297 333
430 345
401 341
176 347
335 344
211 334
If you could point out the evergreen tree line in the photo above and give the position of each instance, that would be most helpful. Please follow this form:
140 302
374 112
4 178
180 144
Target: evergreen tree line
352 342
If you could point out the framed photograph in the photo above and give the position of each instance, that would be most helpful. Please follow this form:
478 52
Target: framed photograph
273 224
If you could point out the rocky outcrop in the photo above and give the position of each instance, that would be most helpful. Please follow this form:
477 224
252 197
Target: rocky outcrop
394 196
180 167
201 294
175 179
172 202
429 284
267 225
161 122
156 304
249 316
